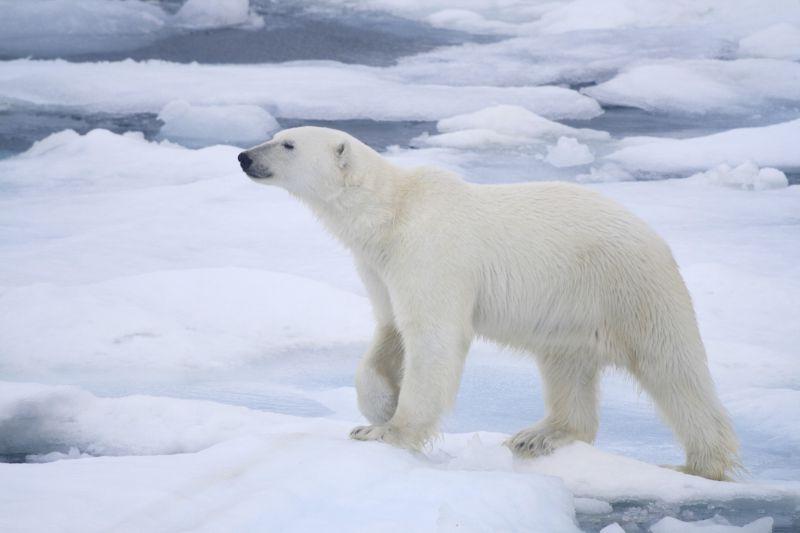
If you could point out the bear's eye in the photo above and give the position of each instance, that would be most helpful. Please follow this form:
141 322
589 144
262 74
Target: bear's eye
288 145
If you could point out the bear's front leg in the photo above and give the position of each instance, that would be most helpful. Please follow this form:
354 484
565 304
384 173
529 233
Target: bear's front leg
433 363
570 392
379 374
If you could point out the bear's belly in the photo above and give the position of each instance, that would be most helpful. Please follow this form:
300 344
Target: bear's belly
539 321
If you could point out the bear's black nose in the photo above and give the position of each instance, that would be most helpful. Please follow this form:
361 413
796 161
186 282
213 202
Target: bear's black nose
245 160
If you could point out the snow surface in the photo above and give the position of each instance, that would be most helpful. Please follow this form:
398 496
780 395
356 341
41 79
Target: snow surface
264 470
271 478
194 273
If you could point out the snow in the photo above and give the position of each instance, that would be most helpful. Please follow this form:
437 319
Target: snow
765 146
253 470
281 471
205 14
69 161
703 86
232 124
568 152
589 472
197 274
283 89
143 321
779 41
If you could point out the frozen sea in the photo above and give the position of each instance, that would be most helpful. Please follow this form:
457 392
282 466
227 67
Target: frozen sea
177 345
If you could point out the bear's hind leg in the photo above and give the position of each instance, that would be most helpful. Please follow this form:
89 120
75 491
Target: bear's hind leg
681 387
570 388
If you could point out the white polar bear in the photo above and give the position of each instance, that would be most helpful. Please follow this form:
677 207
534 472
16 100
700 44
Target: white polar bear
553 269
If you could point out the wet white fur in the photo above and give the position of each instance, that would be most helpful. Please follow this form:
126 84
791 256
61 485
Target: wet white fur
552 269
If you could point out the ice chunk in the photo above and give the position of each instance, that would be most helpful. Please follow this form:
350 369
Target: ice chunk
612 528
73 453
767 146
779 41
233 124
348 91
67 160
568 152
565 58
746 176
294 465
501 126
717 524
255 470
202 14
607 172
515 121
592 506
593 473
469 21
475 139
703 86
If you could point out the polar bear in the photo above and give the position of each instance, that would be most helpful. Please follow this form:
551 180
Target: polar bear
549 268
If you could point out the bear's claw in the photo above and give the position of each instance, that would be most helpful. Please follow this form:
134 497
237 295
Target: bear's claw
535 442
369 433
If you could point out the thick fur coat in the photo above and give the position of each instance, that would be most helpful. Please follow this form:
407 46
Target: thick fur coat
551 269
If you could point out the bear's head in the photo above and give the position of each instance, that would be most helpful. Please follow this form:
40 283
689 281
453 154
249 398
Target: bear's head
314 164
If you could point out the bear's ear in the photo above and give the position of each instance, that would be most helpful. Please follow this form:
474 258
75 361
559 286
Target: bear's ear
342 153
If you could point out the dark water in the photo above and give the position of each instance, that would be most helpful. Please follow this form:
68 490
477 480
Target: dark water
21 127
638 516
290 32
629 121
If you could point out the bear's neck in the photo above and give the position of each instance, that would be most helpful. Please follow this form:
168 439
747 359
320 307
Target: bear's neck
364 217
